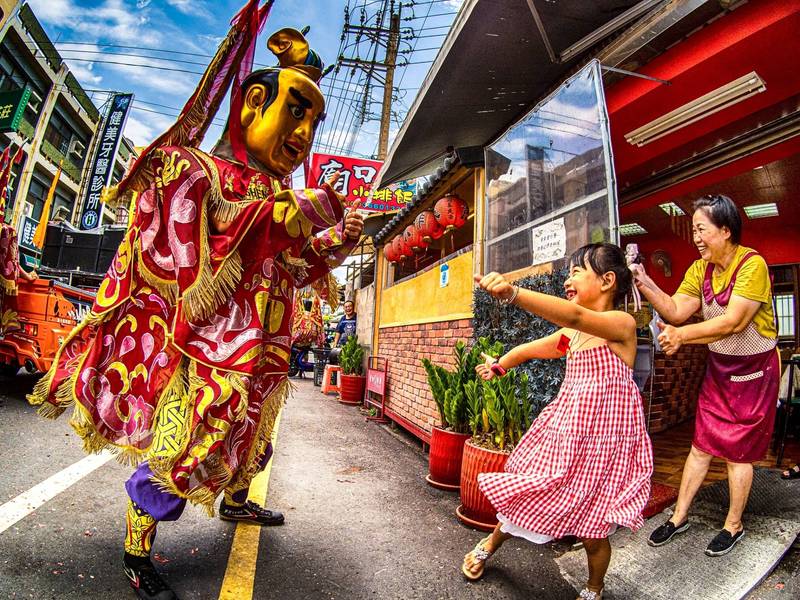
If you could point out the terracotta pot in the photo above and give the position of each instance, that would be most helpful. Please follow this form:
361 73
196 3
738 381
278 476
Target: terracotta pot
444 460
475 509
351 389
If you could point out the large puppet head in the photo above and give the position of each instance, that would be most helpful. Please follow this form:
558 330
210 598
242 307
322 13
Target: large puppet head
282 106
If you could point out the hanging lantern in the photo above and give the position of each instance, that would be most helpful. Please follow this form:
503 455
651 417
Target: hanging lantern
451 212
413 239
390 252
428 227
400 248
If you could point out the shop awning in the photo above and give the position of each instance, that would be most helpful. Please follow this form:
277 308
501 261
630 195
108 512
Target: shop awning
499 59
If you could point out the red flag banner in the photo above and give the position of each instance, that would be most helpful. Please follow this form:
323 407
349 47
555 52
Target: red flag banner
355 182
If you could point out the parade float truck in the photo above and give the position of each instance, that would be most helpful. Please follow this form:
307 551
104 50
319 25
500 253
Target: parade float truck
36 321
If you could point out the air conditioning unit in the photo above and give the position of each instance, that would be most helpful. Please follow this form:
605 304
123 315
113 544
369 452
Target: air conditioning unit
76 148
35 101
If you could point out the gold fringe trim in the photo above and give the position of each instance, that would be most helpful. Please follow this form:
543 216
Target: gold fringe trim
8 286
166 288
270 408
223 209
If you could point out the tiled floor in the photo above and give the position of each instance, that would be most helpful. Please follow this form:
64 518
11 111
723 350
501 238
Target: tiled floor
670 448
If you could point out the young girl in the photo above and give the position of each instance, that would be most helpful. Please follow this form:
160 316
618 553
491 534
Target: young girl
584 466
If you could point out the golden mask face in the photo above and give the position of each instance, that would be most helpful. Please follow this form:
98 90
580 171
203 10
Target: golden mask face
280 137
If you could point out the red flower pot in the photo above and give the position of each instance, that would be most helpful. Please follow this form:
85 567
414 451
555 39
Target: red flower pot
444 460
475 509
351 390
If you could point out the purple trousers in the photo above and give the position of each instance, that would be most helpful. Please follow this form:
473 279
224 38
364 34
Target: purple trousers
161 505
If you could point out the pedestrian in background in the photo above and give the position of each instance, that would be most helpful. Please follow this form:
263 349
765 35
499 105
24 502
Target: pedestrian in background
584 466
347 325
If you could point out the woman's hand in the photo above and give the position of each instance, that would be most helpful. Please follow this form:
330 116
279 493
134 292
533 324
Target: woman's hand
641 279
670 339
496 285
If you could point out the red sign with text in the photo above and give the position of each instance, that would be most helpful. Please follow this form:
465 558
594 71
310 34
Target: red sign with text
355 182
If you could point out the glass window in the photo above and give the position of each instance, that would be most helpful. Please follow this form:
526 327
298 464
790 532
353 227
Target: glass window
784 311
550 180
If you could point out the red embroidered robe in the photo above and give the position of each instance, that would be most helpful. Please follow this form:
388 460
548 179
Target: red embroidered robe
183 359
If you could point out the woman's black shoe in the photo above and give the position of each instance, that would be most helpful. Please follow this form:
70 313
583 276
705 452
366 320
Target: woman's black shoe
664 533
145 581
723 542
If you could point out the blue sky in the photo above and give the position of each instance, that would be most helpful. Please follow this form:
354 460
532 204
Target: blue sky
93 35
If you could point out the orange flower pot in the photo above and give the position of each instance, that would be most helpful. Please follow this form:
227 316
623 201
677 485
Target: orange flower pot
475 509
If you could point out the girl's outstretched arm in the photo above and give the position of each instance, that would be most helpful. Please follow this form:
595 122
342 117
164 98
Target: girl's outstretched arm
546 347
613 325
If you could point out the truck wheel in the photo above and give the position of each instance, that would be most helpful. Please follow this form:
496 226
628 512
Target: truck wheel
9 369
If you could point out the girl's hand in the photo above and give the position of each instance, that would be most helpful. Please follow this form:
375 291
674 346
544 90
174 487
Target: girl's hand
485 371
670 339
496 285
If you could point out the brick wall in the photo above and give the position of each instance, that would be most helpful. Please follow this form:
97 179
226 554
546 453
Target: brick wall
676 385
408 395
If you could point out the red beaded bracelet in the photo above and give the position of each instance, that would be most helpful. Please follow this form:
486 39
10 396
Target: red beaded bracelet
497 369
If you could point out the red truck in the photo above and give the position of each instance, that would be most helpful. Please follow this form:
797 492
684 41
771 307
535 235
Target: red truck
35 322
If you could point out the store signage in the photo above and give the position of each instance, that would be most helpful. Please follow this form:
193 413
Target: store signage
355 182
12 107
102 165
27 229
444 275
549 242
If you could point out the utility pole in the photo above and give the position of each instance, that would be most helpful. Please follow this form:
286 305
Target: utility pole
388 89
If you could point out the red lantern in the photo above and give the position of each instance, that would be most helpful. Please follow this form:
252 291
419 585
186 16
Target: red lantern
451 212
428 227
413 239
401 248
390 252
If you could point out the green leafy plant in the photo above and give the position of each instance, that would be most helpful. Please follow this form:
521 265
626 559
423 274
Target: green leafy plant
499 410
449 388
352 357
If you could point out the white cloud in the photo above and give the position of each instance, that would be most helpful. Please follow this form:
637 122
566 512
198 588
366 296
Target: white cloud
143 3
142 127
191 7
85 74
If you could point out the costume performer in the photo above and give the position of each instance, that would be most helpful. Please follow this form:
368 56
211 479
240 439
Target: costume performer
181 365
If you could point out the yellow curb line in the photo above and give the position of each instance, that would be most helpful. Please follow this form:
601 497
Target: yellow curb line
241 571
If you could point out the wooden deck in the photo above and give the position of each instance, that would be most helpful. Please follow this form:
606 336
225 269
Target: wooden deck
670 448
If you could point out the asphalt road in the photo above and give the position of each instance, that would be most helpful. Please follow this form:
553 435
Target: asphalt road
360 521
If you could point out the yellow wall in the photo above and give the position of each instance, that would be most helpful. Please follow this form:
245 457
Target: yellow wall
421 300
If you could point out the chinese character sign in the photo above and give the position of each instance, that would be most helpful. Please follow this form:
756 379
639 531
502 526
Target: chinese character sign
102 166
26 232
355 182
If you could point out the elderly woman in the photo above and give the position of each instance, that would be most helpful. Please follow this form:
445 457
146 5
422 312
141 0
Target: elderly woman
736 408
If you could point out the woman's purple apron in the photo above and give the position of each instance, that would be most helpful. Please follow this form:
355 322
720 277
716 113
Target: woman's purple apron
736 407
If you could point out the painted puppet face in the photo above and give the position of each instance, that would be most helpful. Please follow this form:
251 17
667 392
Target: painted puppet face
280 136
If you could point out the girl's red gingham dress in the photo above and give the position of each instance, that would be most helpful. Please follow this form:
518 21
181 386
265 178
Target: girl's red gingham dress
584 466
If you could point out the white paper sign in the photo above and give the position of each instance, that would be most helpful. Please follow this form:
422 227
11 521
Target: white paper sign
549 242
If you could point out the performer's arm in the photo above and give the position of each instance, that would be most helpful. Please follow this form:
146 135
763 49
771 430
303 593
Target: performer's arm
328 250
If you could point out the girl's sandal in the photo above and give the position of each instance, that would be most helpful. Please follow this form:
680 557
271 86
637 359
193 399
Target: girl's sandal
479 554
587 594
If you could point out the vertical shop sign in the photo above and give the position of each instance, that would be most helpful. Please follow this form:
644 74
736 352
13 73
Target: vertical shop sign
102 165
355 182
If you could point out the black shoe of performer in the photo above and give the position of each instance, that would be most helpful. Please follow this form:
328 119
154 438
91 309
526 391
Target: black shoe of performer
144 579
250 512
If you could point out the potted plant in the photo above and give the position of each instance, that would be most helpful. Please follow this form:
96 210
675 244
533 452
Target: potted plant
502 409
499 414
447 388
352 378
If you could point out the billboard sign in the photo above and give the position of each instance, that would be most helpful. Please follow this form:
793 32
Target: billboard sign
355 182
102 165
12 107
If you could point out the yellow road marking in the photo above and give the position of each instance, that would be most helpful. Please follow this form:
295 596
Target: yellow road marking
241 571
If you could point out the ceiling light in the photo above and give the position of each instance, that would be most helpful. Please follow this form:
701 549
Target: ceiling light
672 209
631 229
761 211
712 102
